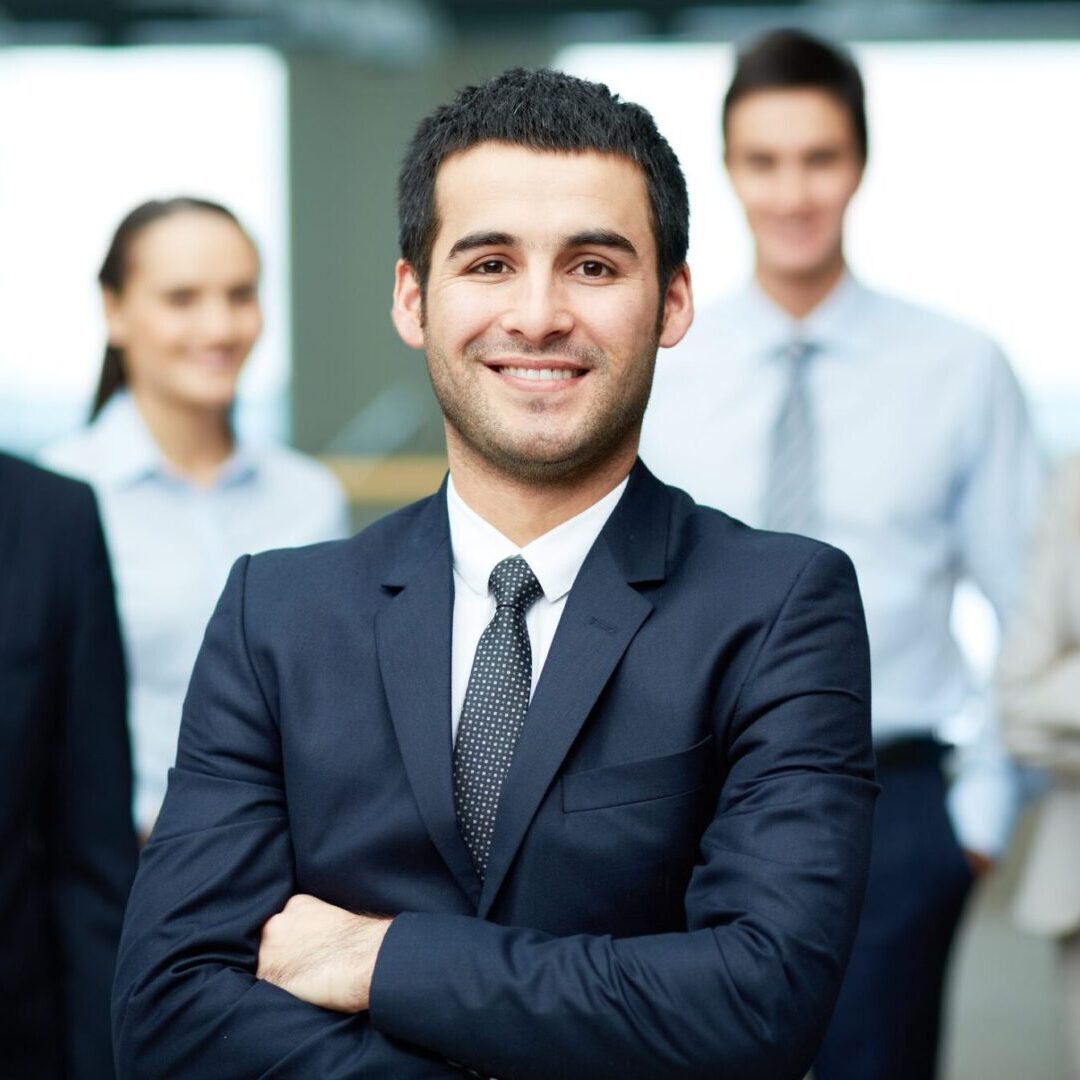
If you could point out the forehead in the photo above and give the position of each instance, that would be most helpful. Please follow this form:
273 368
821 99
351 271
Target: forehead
191 242
788 119
537 194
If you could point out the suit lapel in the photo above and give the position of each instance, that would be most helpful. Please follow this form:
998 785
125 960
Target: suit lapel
412 635
603 613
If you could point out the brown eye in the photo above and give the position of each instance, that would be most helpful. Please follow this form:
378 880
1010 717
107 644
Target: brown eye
591 268
490 266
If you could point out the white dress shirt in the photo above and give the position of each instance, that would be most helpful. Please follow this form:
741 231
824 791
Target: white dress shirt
927 473
171 545
555 559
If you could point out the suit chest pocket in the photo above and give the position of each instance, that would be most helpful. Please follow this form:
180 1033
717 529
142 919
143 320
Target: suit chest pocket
636 782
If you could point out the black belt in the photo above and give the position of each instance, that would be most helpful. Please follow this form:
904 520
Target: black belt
920 750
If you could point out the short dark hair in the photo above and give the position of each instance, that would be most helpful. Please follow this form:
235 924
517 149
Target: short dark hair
541 110
114 272
792 59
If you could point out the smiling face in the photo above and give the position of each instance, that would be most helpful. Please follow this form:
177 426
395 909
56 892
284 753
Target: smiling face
795 164
542 312
188 313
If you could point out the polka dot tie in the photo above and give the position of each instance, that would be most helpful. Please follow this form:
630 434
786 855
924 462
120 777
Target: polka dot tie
494 709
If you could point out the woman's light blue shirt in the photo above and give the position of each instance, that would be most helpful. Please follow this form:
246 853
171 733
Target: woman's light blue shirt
172 544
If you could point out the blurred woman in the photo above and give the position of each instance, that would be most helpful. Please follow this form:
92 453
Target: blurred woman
181 496
1039 692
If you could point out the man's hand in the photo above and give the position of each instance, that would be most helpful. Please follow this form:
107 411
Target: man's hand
321 954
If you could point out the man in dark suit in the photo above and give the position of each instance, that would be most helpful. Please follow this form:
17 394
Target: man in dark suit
597 758
65 779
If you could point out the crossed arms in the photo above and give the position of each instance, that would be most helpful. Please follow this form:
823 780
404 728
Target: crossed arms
745 990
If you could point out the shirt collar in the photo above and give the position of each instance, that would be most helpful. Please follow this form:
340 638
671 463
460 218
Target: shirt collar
129 453
832 325
555 558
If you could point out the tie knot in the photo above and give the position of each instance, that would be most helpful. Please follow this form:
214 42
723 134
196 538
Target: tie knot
514 584
796 352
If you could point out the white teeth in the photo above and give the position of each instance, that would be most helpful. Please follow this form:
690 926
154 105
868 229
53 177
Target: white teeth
539 373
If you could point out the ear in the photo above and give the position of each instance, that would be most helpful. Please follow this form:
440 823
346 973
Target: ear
678 308
407 310
115 321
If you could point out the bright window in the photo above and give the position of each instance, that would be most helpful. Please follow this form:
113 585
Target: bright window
85 135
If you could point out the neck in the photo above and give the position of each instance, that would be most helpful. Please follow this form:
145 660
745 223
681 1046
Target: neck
523 510
799 294
196 442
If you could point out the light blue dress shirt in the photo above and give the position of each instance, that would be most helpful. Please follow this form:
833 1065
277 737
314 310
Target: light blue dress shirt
928 472
172 544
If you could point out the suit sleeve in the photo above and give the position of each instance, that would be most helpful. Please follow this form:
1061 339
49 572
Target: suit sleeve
94 837
218 864
771 908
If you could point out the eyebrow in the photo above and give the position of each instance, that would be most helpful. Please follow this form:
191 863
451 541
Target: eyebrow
472 241
601 238
589 238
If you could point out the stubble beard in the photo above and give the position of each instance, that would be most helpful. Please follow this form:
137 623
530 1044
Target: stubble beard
611 421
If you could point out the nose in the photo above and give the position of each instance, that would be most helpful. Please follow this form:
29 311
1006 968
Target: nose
220 321
793 189
537 308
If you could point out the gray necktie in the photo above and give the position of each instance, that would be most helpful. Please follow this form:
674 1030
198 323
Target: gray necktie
790 503
494 710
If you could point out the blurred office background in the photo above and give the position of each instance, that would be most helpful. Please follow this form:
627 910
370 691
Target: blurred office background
296 113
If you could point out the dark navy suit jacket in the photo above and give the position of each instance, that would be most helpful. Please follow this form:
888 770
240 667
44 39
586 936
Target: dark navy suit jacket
67 841
681 844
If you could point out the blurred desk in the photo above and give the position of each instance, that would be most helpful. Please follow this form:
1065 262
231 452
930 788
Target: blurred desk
391 480
387 481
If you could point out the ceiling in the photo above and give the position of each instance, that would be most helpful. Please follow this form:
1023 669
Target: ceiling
292 22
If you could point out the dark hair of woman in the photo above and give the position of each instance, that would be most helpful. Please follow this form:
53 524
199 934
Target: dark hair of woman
114 272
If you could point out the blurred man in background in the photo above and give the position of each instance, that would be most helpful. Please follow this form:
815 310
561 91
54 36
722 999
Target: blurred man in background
65 780
808 403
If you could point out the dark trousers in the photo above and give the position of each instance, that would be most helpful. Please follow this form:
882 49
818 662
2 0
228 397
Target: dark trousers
888 1016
